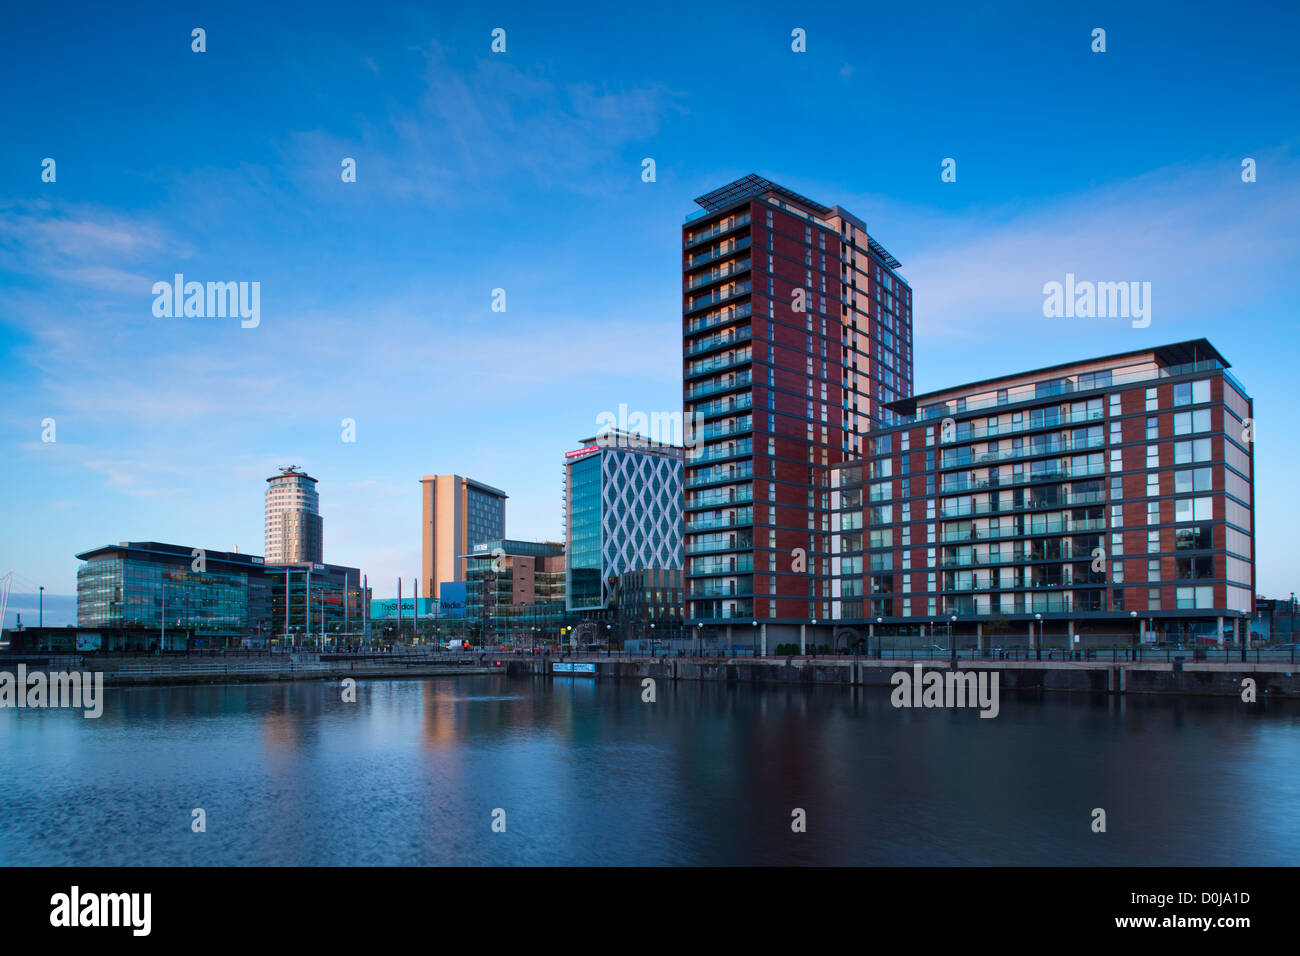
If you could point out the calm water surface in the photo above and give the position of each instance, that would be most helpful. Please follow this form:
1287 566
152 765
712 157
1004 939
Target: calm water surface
588 774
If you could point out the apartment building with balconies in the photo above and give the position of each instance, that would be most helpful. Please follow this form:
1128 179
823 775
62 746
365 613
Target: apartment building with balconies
1110 498
796 332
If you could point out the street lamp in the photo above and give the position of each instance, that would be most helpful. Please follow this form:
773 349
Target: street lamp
879 621
1038 646
952 648
699 646
755 638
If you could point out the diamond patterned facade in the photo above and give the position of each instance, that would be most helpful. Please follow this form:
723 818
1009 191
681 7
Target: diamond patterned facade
623 512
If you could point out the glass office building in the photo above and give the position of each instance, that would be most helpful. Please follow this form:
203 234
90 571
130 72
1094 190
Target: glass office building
172 597
188 596
622 512
514 587
325 602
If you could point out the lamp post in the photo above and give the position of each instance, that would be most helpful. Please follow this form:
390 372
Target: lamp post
41 620
879 621
1038 644
952 648
699 645
755 623
1134 616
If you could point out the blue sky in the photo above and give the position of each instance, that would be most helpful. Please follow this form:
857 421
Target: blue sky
522 171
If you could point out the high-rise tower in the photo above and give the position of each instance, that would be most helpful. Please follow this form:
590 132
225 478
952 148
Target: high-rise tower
293 528
457 513
796 325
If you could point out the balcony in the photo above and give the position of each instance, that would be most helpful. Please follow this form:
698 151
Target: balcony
714 544
743 610
697 567
726 249
948 409
718 363
742 518
1030 529
720 499
719 341
966 457
952 484
725 271
714 298
730 224
739 449
723 406
740 426
713 476
730 383
741 311
726 589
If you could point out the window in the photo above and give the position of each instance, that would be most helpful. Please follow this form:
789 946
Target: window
1187 422
1153 569
1186 452
1153 429
1195 597
1189 481
1194 567
1152 401
1192 393
1194 509
1195 538
1153 542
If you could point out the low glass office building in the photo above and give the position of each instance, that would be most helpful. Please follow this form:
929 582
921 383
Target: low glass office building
191 597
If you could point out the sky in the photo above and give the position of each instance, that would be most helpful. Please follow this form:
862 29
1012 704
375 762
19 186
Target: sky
522 170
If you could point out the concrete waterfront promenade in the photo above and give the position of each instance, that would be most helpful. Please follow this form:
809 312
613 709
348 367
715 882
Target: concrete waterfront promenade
1273 679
